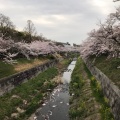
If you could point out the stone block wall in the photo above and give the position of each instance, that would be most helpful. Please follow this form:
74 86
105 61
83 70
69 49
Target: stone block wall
8 83
111 91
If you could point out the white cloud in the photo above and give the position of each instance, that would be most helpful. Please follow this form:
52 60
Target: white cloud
2 7
104 6
43 21
49 19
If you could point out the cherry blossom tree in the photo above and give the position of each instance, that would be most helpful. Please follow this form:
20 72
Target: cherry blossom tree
5 50
9 48
106 39
46 47
23 48
92 47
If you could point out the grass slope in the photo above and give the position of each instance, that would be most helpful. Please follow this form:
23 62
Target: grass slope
22 64
109 68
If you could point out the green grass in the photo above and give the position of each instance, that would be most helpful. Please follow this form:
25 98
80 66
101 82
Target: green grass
74 55
65 62
109 68
6 69
77 105
24 60
32 91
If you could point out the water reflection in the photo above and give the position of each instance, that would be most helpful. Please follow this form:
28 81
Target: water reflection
57 106
67 74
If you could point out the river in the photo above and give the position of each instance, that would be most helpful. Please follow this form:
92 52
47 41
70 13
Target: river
57 105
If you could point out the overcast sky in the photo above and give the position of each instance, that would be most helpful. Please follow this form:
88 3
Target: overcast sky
59 20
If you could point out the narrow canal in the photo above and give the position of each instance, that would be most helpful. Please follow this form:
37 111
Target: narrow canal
57 105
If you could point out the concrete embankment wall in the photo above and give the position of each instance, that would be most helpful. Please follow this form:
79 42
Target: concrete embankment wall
111 91
8 83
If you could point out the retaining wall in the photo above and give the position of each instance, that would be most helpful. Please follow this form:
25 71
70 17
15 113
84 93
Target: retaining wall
111 91
8 83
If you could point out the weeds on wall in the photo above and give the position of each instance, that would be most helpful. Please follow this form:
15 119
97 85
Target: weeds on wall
98 94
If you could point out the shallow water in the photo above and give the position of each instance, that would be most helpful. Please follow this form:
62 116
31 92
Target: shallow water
57 105
67 75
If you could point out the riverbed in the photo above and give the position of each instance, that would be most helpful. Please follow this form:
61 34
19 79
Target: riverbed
56 106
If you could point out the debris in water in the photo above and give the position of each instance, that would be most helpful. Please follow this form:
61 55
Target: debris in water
46 101
47 117
73 94
50 112
54 106
35 118
52 98
43 104
67 103
49 89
